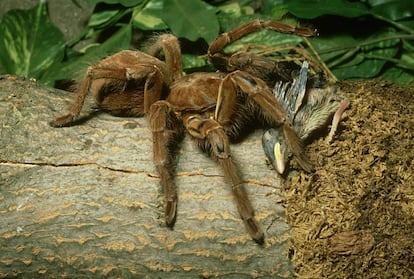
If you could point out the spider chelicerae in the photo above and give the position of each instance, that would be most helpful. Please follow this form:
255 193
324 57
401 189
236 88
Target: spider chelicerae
212 107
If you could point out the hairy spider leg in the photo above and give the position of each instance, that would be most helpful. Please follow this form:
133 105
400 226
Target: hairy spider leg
153 85
120 81
239 82
213 138
92 74
242 60
119 84
166 132
172 53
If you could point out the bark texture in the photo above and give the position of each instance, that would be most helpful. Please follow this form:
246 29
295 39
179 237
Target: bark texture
85 202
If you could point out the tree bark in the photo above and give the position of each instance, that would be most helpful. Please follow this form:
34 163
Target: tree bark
85 201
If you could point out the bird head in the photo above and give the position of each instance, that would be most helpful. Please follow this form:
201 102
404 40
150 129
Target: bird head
276 149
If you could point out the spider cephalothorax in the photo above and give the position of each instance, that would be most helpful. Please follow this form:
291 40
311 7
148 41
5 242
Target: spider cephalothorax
211 107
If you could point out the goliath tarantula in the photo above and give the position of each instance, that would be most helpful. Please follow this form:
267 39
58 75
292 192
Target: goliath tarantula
211 107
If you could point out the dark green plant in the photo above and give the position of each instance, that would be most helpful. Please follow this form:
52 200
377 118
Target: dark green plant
370 38
29 43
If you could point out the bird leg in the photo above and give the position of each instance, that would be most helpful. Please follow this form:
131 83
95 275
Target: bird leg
337 118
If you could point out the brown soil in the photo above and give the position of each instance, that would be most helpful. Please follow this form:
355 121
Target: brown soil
354 217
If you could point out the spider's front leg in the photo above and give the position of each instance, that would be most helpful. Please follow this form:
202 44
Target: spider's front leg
212 137
260 96
245 61
166 132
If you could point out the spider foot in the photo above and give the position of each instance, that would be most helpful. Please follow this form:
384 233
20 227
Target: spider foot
62 121
170 213
255 230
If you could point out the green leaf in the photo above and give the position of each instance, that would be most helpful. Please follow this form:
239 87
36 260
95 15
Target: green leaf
333 48
191 19
265 38
317 8
393 9
407 61
149 18
275 8
400 76
191 61
29 42
125 3
359 67
105 18
75 68
369 61
233 9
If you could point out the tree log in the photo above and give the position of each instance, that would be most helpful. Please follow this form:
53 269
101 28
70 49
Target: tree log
85 201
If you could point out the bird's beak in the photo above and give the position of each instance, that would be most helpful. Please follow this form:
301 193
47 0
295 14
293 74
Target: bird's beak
279 163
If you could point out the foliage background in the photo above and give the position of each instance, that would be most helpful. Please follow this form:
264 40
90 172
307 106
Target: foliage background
357 39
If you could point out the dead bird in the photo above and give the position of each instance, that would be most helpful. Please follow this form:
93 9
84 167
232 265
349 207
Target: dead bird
309 107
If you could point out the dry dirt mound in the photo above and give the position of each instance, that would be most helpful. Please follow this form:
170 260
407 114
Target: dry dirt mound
354 217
